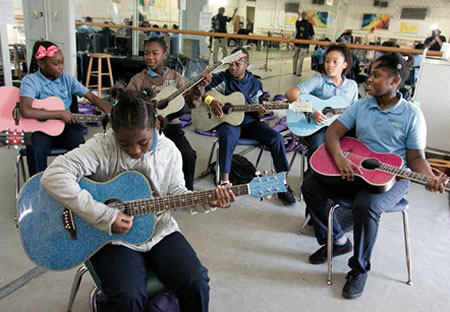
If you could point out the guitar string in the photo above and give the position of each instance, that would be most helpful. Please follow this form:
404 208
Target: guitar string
159 204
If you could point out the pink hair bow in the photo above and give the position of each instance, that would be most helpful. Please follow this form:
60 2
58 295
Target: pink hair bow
43 52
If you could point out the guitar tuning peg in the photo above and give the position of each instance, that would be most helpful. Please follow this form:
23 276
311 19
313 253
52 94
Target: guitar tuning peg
257 173
265 173
268 196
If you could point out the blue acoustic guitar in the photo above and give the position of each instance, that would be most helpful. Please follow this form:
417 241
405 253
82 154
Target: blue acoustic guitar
57 239
303 125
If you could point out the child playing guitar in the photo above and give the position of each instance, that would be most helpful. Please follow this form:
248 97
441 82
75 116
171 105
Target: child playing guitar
51 80
386 123
156 77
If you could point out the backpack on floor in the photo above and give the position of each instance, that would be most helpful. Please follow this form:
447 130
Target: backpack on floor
242 170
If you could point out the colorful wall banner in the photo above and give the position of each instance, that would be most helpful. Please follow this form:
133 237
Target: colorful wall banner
377 21
317 19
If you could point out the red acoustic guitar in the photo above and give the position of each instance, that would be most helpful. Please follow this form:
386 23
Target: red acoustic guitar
378 170
10 116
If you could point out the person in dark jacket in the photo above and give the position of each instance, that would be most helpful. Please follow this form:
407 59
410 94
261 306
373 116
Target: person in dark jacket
304 30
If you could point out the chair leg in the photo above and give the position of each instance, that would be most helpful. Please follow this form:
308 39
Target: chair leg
330 244
217 164
407 246
75 286
259 155
304 224
93 299
211 154
17 175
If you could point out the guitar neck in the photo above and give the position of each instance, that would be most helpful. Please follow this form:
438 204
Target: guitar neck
160 204
253 107
88 118
410 175
194 81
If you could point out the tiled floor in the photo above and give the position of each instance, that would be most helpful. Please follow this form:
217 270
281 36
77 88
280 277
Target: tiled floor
256 259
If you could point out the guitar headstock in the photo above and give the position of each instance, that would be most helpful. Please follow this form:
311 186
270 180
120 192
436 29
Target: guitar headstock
236 56
300 106
15 138
263 186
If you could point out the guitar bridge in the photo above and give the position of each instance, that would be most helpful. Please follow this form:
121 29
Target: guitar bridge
68 223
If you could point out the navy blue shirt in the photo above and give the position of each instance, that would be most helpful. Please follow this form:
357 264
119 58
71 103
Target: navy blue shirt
249 86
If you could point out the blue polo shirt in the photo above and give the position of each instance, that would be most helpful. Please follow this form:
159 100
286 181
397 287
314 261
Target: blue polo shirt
37 86
322 87
393 130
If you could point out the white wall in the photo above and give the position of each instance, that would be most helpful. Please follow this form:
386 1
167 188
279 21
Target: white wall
166 13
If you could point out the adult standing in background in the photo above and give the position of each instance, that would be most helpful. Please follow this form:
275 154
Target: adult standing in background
304 30
435 41
219 25
370 39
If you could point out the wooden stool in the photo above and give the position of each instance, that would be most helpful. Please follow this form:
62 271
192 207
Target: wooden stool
99 74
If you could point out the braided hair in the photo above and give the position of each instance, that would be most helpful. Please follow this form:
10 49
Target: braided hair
133 109
396 64
34 66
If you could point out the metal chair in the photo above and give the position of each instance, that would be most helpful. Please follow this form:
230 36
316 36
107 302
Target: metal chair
402 206
154 286
251 144
21 166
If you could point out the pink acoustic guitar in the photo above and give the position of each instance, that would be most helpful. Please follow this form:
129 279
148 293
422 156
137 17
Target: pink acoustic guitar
378 169
10 116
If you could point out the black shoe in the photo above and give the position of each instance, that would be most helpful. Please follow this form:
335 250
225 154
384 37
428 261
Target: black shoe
287 197
295 73
320 256
354 286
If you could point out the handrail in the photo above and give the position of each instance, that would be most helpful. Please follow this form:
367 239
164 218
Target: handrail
265 38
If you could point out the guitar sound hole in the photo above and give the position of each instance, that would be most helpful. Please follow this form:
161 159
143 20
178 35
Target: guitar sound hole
163 104
227 108
370 164
329 112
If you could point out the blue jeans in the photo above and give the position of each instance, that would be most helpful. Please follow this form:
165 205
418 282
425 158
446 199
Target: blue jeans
367 208
41 145
314 141
251 128
123 275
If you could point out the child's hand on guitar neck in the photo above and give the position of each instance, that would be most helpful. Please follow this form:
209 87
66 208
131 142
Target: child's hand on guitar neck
437 183
67 117
224 197
318 117
346 168
261 111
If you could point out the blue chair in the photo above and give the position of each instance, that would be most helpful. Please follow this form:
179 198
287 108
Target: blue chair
251 144
154 286
346 221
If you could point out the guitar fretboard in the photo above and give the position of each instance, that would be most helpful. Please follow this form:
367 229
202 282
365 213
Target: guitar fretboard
88 118
253 107
410 175
161 204
193 82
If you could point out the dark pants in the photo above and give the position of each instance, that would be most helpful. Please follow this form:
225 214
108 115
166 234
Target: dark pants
176 134
314 141
250 129
41 145
122 272
367 208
